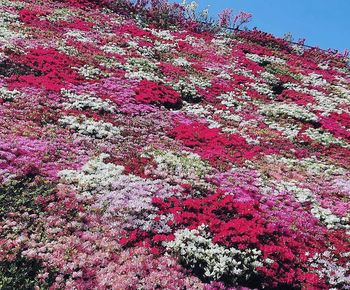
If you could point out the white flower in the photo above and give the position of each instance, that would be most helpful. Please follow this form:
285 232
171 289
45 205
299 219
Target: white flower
8 95
83 125
196 249
289 110
83 101
90 72
326 138
260 59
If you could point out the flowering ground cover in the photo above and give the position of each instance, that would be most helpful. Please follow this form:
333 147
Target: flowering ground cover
140 149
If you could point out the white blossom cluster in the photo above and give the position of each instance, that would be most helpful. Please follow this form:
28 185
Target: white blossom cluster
109 62
164 34
78 35
146 52
326 138
290 130
196 249
60 14
141 68
201 111
313 79
179 166
163 47
324 215
7 35
335 103
324 103
94 176
215 68
269 78
140 64
224 75
205 112
288 110
260 59
221 41
90 72
342 70
195 42
324 66
342 81
61 45
312 165
247 73
130 43
88 126
263 89
326 267
301 194
155 223
200 81
11 3
121 195
185 89
8 95
298 49
143 75
228 115
230 101
230 130
180 61
84 101
341 89
330 220
242 128
113 48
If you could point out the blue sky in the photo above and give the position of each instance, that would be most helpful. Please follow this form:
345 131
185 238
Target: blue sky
322 23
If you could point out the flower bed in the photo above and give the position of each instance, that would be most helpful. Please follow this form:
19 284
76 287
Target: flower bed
140 149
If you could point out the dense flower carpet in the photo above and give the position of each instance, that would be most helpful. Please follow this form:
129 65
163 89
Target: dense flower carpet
140 149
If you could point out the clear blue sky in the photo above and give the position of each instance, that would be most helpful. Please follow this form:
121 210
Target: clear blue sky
322 23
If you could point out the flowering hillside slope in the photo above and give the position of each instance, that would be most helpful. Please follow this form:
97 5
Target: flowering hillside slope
142 150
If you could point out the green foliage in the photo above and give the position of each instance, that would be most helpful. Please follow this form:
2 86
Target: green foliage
277 69
20 274
20 196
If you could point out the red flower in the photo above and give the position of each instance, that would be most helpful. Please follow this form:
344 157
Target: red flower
149 92
213 145
55 69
